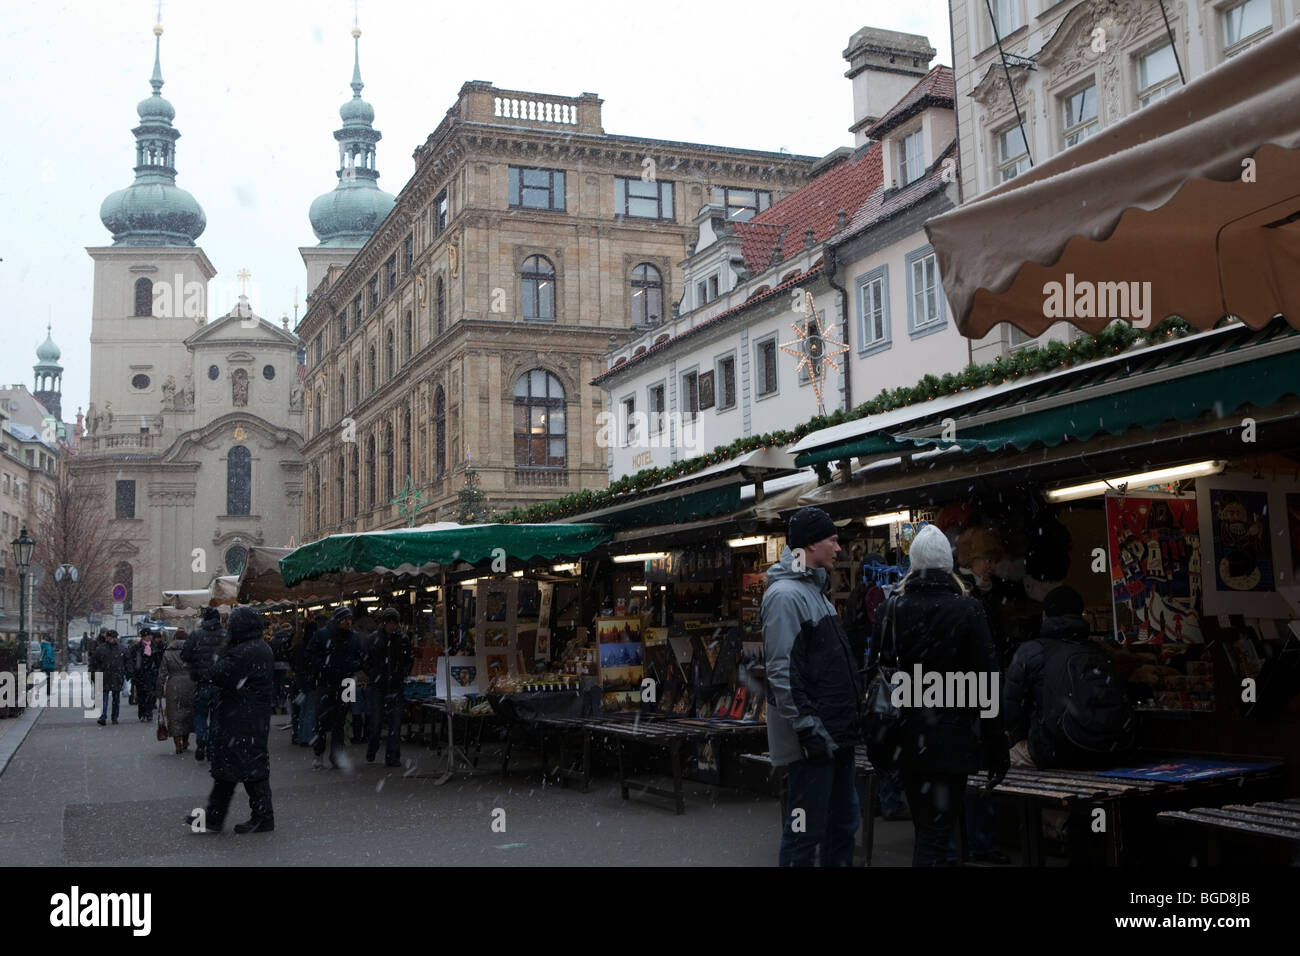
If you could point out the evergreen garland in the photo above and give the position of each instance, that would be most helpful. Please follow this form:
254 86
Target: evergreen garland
1037 360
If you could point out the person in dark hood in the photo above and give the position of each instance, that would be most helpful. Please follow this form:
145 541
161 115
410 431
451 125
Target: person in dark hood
146 654
388 662
1064 704
201 651
814 693
334 657
243 674
930 623
109 659
303 705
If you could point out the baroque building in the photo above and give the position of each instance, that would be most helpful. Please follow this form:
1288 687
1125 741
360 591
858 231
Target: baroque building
467 330
193 428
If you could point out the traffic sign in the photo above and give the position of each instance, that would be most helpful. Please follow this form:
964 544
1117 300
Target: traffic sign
117 610
97 605
119 592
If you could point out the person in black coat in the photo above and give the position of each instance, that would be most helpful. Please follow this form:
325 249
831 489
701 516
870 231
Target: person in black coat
936 625
243 674
109 659
202 651
334 656
388 662
145 656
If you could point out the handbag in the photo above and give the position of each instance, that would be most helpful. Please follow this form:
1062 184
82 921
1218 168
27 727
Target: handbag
882 718
162 719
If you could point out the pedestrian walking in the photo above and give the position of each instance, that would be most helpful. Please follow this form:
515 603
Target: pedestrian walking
109 660
202 649
935 625
145 656
84 649
243 674
280 649
814 697
334 656
389 661
47 665
364 627
176 687
303 707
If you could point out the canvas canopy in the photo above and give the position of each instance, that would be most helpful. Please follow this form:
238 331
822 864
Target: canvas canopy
1186 207
260 580
190 598
429 548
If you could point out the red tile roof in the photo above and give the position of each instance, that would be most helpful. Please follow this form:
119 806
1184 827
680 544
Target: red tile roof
936 88
880 206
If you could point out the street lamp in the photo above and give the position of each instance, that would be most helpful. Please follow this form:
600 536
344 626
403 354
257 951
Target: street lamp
63 574
23 547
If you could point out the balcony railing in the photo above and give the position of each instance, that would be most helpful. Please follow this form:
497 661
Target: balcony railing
535 110
541 477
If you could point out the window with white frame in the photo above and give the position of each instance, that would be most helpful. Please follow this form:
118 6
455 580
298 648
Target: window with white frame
911 161
658 407
1079 115
765 366
706 290
1013 153
725 370
741 204
1006 17
924 294
1244 25
639 199
873 310
628 410
690 403
1157 74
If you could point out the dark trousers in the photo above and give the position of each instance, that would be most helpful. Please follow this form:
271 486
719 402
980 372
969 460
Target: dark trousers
259 801
331 712
117 700
144 699
206 697
828 796
937 803
385 721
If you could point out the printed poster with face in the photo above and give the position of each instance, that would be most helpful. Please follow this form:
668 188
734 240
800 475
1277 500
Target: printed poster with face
1155 568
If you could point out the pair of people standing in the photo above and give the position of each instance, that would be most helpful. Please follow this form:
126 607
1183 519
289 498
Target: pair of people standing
815 692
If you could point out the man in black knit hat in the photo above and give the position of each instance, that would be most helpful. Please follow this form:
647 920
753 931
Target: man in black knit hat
814 697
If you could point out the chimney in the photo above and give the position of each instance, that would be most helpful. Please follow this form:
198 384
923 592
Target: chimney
883 66
841 220
809 239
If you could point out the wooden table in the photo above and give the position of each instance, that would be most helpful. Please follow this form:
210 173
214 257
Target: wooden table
1277 821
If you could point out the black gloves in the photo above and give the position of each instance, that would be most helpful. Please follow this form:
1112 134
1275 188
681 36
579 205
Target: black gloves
999 764
815 748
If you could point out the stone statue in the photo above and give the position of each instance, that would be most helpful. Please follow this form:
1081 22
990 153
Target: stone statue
295 396
239 388
169 392
108 416
92 419
187 391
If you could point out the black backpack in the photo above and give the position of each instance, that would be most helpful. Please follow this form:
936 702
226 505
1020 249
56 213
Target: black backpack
1085 705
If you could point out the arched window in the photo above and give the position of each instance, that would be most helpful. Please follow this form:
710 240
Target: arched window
239 481
370 370
388 463
439 433
144 296
356 480
389 365
537 288
406 444
356 383
124 575
370 470
340 490
440 306
539 420
409 334
341 397
647 294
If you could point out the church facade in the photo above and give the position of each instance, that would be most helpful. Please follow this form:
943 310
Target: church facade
193 433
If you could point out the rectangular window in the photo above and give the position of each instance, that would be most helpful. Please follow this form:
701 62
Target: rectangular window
356 313
1006 16
658 406
873 311
1013 153
1079 115
1157 74
741 204
924 308
125 499
440 214
408 254
690 396
725 379
765 366
713 288
320 347
374 291
629 420
910 158
390 274
701 293
1245 25
643 200
536 188
343 325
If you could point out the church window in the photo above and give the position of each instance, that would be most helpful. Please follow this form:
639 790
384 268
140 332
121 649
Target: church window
268 372
239 481
140 382
143 296
235 559
125 499
214 373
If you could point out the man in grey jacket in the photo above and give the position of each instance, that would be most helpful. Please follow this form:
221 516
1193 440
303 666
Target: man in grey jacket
814 697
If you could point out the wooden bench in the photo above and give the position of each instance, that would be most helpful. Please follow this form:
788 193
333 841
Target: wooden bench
864 771
1275 821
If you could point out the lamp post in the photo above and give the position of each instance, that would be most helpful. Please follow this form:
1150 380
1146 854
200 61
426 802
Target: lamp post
23 546
63 574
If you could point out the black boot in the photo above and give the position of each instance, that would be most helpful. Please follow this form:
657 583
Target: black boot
201 751
255 826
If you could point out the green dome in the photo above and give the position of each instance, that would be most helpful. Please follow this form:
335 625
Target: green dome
349 214
47 351
357 111
154 107
153 214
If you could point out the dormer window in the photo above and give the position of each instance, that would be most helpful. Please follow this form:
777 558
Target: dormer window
911 161
741 204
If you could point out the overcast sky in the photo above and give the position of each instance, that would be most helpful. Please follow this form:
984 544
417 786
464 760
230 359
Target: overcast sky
257 86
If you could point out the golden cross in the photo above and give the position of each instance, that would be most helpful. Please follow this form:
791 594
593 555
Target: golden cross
243 275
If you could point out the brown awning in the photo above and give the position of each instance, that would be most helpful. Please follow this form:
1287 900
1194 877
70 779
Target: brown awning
1164 198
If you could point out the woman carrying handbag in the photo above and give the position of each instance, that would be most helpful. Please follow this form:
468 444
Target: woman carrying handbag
176 712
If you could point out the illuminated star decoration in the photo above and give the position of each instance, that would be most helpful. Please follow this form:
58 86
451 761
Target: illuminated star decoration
404 500
813 349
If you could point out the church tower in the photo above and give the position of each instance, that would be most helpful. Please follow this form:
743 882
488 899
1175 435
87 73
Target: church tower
344 218
48 381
